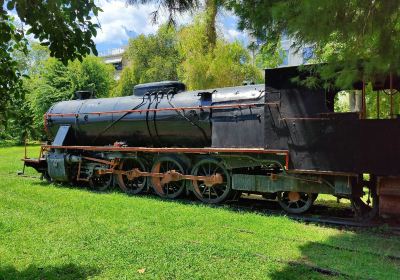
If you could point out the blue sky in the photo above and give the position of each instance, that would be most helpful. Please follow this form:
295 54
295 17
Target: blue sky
120 22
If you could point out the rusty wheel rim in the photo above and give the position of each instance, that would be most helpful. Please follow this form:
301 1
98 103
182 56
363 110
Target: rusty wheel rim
135 185
295 202
172 189
211 194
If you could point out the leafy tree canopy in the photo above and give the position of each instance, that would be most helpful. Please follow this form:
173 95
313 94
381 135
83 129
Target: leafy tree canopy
65 26
174 7
154 57
57 82
227 64
51 81
185 55
353 33
149 58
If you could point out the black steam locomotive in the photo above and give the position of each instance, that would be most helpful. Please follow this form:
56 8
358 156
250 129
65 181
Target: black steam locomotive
281 140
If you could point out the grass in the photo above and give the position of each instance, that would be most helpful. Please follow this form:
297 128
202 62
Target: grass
53 232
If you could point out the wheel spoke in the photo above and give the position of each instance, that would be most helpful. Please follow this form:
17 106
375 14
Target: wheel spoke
217 192
171 189
136 185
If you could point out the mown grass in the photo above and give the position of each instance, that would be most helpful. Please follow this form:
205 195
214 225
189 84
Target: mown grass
53 232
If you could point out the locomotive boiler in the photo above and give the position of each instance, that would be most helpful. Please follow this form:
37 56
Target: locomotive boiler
146 118
278 139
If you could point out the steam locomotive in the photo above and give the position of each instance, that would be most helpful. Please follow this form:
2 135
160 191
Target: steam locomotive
281 140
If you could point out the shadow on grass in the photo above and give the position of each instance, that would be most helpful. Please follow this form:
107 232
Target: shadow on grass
342 257
245 203
68 271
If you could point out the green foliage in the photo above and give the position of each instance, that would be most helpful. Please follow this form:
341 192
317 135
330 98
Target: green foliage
12 43
19 123
65 26
269 56
150 58
172 6
231 65
57 82
92 74
196 57
186 55
384 96
227 64
51 81
361 35
126 82
154 57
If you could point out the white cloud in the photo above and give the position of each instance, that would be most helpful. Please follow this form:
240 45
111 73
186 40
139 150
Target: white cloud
227 27
118 20
233 34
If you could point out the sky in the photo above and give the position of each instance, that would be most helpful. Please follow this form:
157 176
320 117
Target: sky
120 22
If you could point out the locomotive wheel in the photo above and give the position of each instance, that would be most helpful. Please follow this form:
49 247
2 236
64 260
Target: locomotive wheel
135 185
174 188
215 193
296 202
100 182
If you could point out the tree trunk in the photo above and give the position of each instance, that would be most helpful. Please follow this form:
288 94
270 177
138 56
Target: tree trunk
355 101
211 14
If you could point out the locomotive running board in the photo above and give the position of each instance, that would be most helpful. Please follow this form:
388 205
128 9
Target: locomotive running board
284 153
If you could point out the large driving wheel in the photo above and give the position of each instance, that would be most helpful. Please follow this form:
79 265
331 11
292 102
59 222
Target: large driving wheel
296 202
170 189
135 185
211 192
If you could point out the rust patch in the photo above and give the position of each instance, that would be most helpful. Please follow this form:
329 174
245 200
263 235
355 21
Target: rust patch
294 196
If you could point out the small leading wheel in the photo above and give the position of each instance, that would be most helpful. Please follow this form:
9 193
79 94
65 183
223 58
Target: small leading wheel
211 192
171 189
100 182
135 185
295 202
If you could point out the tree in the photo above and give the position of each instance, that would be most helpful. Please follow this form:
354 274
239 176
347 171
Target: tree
126 82
269 56
227 64
19 123
65 26
57 82
92 74
211 8
363 35
150 58
172 6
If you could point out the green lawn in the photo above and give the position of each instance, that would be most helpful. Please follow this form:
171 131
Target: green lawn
53 232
